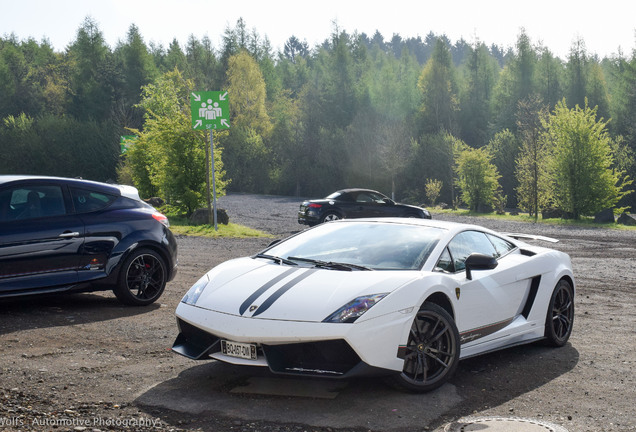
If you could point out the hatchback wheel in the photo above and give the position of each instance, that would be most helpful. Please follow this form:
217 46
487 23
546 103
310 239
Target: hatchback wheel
142 279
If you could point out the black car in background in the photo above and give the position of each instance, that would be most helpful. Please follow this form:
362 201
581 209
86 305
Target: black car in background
69 235
355 203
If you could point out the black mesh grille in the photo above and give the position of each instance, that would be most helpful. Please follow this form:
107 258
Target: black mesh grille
325 358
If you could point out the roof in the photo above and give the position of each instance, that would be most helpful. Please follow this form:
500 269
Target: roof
127 191
433 223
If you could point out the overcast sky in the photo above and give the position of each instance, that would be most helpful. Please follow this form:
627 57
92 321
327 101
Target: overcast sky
605 27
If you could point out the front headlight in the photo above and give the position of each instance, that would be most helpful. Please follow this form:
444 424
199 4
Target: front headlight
193 293
354 309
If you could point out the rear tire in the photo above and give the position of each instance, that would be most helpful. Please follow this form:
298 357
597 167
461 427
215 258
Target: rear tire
142 279
560 316
331 216
432 351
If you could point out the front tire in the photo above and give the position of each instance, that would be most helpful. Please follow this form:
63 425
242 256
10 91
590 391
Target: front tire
560 316
142 279
432 350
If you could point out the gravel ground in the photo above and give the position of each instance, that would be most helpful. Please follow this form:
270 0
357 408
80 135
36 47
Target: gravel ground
86 363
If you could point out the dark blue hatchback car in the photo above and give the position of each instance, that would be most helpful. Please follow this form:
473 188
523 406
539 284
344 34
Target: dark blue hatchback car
69 235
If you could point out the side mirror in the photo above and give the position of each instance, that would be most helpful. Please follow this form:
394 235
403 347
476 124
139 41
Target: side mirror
477 261
389 201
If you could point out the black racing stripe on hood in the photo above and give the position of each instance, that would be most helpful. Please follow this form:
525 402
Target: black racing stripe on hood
282 290
256 294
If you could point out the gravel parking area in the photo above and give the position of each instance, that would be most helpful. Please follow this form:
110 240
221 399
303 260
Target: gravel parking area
86 363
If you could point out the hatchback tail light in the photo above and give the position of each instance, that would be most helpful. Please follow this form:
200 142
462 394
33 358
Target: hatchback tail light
312 205
161 218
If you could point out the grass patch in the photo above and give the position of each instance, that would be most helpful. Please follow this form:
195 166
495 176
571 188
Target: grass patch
584 221
180 226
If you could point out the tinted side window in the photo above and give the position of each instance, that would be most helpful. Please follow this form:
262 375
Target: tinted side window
364 197
88 201
501 246
31 202
377 198
469 242
445 262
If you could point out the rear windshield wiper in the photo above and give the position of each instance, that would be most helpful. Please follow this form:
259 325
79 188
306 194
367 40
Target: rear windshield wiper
331 264
277 260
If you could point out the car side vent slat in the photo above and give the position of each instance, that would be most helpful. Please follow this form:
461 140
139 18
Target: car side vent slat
534 288
526 252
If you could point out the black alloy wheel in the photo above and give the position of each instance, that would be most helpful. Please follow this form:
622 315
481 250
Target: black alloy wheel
143 278
432 350
560 316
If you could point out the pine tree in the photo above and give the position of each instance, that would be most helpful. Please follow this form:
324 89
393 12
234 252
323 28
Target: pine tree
531 165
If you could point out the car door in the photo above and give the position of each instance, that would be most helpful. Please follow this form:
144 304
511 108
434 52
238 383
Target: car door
383 206
491 299
364 206
103 230
40 242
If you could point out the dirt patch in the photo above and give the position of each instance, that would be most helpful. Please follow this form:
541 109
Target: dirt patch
85 362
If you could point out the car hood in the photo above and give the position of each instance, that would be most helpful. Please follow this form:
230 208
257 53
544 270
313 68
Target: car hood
253 288
409 206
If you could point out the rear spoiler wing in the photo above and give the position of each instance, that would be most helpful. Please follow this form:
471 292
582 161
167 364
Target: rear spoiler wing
519 236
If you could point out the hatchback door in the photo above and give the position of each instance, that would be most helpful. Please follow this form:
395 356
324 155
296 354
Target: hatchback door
40 243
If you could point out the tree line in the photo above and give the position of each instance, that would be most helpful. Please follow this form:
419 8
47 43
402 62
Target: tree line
423 119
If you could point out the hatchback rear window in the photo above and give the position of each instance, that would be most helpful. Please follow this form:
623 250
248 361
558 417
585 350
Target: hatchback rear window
86 201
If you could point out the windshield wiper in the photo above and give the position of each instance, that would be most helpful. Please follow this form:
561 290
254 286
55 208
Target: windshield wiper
331 264
277 260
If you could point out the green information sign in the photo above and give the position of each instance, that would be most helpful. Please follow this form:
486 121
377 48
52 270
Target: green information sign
210 110
126 141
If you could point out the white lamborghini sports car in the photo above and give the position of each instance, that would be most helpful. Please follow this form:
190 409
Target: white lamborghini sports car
407 298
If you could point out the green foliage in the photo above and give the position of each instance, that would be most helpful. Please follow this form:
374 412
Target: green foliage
480 75
435 156
504 148
438 86
230 230
168 157
477 178
246 90
247 154
92 74
354 110
433 188
58 146
532 175
584 181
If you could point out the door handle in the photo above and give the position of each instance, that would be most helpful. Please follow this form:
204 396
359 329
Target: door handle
69 234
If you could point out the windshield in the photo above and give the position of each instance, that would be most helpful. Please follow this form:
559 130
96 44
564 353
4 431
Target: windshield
377 246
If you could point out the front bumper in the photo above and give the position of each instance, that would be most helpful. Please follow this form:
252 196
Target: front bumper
297 348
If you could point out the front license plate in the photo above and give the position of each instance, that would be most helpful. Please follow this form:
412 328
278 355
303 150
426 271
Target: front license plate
240 350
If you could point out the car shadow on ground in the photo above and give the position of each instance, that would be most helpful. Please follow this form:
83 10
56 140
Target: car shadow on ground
46 311
209 391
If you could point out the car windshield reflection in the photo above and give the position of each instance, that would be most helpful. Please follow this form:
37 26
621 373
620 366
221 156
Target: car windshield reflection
368 245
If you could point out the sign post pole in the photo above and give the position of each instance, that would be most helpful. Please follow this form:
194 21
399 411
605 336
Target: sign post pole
216 227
